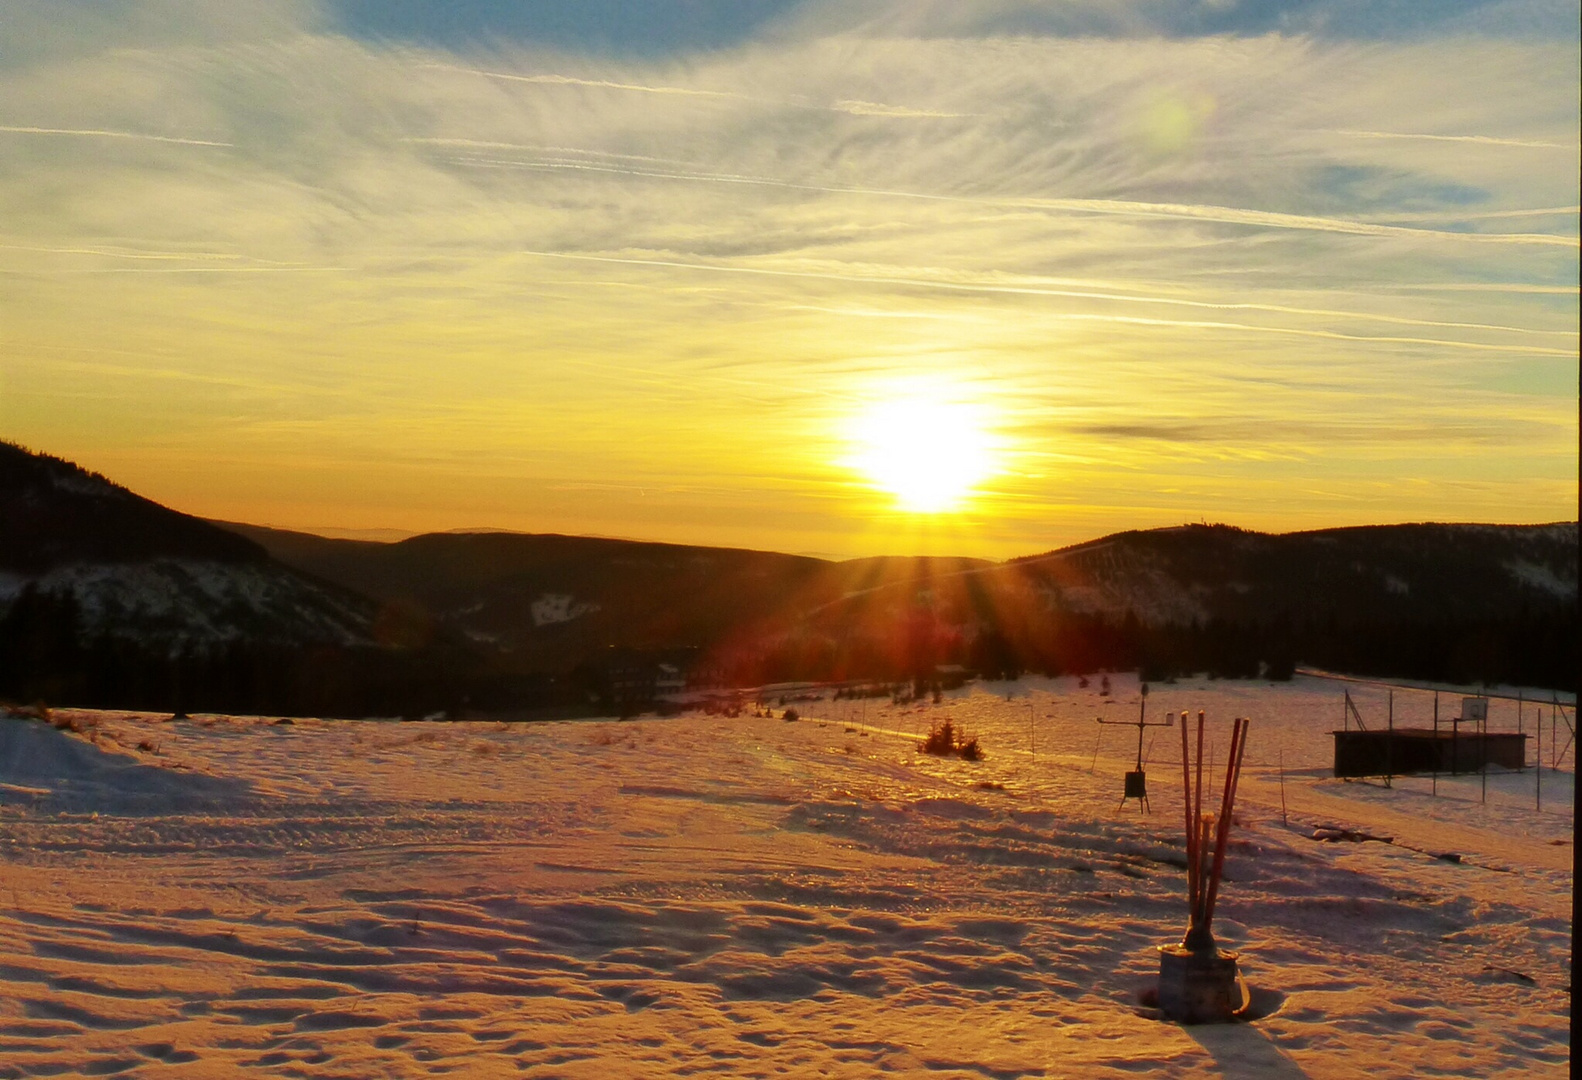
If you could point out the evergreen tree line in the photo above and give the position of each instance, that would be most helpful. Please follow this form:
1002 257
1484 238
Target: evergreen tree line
45 656
1538 649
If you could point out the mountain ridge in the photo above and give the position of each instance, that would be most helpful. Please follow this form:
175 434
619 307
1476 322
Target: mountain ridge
94 578
896 614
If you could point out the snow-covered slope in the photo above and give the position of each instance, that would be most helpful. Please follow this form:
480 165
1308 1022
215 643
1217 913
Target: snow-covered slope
121 566
93 773
1412 572
204 603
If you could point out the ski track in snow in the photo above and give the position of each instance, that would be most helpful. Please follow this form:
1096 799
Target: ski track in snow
755 898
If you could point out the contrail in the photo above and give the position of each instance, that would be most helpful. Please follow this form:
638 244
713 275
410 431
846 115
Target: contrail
602 84
177 270
1212 305
1479 215
1486 286
95 133
161 256
1134 298
1332 334
537 148
1275 219
875 108
1018 290
1222 214
850 107
1487 140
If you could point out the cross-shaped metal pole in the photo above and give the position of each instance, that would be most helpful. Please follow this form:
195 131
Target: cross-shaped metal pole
1137 780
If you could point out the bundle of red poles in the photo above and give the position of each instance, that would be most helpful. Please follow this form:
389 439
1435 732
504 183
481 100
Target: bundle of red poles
1203 875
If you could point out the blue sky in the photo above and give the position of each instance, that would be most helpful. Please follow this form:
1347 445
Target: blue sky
653 27
619 26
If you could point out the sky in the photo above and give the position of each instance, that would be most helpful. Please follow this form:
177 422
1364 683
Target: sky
767 273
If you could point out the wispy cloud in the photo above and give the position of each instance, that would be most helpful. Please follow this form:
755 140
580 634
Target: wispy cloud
851 107
1226 215
877 281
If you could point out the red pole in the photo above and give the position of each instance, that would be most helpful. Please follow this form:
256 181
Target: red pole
1232 776
1186 803
1197 825
1221 833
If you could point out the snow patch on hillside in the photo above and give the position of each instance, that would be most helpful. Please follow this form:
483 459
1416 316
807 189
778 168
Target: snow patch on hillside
81 483
1542 578
552 608
194 601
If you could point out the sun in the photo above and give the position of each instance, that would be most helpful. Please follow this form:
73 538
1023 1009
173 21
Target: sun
927 451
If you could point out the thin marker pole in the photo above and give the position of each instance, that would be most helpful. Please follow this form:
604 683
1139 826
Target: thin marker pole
1205 845
1483 752
1283 820
1197 812
1191 826
1455 746
1389 746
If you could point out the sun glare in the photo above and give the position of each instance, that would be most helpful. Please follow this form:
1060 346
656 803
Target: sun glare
929 453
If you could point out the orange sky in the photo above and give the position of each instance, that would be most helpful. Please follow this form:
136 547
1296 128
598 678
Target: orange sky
265 268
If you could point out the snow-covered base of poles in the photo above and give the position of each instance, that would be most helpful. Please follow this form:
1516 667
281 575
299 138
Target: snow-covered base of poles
1200 986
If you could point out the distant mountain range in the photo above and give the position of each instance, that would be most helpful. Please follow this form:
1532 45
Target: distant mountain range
507 618
555 598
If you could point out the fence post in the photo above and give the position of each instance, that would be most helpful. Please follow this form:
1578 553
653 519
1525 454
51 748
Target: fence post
1435 790
1483 754
1389 746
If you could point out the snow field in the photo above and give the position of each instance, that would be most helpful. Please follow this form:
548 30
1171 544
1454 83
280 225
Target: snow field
756 898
